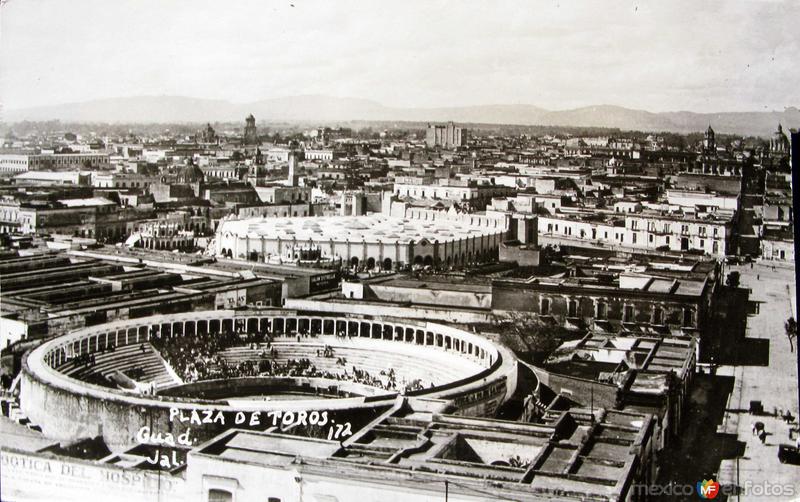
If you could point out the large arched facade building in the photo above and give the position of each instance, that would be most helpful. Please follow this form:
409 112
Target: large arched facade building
364 242
461 371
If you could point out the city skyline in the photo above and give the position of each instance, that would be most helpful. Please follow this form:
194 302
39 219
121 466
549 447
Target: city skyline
399 251
716 57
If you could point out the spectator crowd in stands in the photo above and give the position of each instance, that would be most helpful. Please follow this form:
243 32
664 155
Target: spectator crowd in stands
199 357
195 357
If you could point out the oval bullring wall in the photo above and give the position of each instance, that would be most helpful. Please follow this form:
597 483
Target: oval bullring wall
473 374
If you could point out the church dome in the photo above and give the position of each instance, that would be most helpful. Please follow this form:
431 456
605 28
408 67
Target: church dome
779 141
190 174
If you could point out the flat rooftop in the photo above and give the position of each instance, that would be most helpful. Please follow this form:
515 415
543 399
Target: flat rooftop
437 283
16 436
682 287
590 458
596 355
88 202
57 285
371 228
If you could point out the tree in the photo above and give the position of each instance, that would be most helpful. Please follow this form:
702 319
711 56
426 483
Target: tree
47 164
526 333
790 326
733 279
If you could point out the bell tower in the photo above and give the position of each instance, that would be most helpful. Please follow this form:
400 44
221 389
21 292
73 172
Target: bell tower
709 142
250 132
292 180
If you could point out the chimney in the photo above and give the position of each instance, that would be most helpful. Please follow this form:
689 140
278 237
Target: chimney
292 181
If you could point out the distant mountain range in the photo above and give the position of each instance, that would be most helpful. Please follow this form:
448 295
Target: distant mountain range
320 109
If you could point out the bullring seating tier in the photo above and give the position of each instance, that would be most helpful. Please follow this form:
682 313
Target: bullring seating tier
489 370
410 362
373 356
148 363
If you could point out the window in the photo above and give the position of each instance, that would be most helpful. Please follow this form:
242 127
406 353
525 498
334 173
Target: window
634 238
658 316
572 308
684 229
628 314
716 231
688 317
545 307
601 310
217 495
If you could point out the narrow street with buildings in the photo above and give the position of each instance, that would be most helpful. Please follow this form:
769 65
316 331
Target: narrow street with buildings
771 380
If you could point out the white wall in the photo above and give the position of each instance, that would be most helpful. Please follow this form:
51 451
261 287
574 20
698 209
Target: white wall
11 331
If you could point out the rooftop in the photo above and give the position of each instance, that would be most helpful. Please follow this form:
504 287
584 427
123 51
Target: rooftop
372 228
651 285
610 357
416 447
438 283
48 175
87 202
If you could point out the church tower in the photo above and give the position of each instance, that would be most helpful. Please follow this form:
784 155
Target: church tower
250 132
709 142
292 181
779 143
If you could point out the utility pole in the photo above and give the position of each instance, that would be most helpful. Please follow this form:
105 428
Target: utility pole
795 142
738 486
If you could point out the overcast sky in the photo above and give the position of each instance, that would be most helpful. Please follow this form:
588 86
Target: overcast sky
697 55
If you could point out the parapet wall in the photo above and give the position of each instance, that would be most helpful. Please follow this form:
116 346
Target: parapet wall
67 414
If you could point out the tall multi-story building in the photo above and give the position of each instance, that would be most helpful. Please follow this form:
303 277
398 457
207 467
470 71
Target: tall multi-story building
709 233
94 217
446 136
17 163
661 299
449 189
